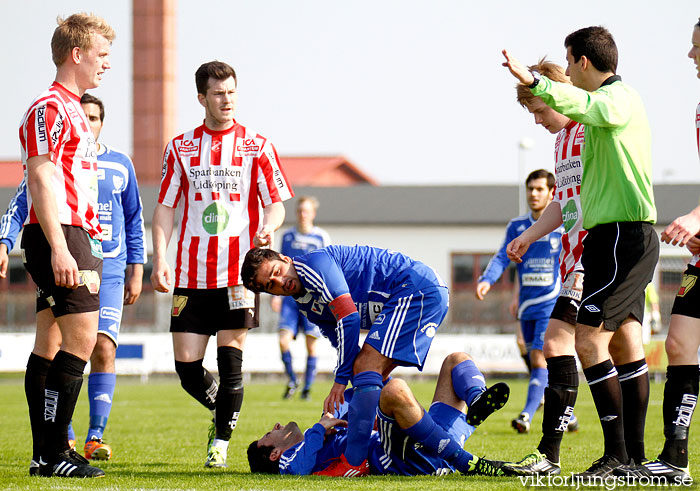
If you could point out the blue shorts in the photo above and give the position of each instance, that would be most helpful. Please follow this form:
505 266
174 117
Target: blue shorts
111 305
397 453
409 320
291 319
533 332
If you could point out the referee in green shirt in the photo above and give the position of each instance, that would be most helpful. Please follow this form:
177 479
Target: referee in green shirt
621 249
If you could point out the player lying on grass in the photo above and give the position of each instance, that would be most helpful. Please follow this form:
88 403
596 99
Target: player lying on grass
409 441
343 289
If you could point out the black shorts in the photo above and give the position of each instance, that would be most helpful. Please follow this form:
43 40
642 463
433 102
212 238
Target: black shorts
619 260
87 253
687 300
207 312
566 307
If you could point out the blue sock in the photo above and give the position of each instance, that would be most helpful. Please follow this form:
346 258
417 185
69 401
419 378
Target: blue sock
310 372
100 392
287 360
535 391
433 437
467 381
71 431
361 414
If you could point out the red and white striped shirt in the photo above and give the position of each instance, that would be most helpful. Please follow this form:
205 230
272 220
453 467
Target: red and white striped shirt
218 180
567 192
56 125
695 260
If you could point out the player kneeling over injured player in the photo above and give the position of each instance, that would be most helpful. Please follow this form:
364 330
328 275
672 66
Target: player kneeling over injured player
410 441
343 289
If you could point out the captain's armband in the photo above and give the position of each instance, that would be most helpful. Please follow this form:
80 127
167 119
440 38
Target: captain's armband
342 306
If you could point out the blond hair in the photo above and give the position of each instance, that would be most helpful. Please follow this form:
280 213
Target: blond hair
310 199
546 68
75 32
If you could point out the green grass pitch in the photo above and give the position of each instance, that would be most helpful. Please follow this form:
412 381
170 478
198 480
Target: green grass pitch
158 434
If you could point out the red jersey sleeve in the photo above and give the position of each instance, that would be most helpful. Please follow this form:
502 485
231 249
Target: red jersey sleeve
45 128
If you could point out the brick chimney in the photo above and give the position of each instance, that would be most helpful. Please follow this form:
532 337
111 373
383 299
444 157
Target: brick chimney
154 110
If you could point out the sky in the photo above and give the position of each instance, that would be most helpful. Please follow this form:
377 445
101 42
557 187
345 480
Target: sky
412 92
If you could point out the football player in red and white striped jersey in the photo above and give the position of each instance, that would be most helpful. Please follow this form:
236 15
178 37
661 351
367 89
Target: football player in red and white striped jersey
682 380
216 178
61 239
559 349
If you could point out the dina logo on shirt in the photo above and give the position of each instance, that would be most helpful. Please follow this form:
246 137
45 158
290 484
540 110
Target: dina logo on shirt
215 218
569 215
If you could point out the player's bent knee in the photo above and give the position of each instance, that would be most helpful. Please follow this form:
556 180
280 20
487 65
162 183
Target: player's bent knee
454 359
396 392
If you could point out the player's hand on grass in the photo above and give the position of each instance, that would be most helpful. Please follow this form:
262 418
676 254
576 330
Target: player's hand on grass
517 69
335 398
329 422
682 229
482 289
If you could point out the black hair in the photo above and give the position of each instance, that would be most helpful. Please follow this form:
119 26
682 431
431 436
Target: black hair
540 174
259 459
252 262
91 99
595 43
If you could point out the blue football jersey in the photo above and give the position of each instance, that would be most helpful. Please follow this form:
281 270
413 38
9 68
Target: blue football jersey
538 274
368 274
294 243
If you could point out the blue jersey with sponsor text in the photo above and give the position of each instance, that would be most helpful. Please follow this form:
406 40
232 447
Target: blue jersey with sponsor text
120 214
368 274
538 274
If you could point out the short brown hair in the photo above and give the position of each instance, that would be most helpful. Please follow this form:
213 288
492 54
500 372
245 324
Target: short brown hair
75 32
595 43
544 67
541 174
218 70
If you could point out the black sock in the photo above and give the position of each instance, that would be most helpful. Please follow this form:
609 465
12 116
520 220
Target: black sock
230 397
607 395
34 384
63 384
634 383
680 398
197 382
559 399
528 363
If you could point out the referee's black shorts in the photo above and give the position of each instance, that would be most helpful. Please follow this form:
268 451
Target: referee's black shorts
618 260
